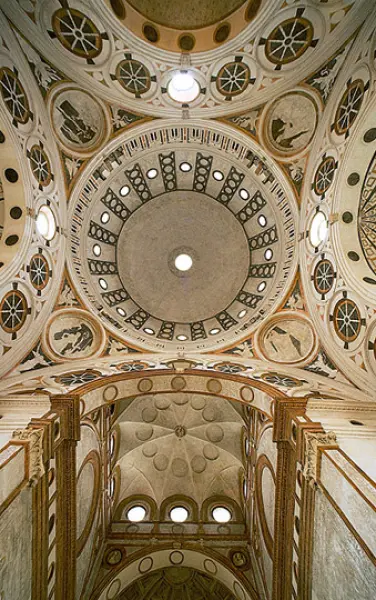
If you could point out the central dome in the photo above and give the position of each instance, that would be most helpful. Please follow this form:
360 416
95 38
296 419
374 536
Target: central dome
175 224
182 237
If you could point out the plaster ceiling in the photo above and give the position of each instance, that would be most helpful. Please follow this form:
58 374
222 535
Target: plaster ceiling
180 444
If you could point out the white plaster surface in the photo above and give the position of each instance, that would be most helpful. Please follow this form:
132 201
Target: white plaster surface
15 548
341 568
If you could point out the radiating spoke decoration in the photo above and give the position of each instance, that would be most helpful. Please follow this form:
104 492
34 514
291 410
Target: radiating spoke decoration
347 320
324 176
14 96
133 76
40 165
13 311
76 32
324 276
349 107
39 272
233 78
78 377
289 40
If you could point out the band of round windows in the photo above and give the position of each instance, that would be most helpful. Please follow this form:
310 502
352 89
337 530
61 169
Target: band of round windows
199 171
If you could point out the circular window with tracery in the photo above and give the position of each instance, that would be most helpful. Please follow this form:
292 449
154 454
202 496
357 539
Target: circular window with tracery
282 380
78 377
349 107
14 96
39 272
40 165
324 176
77 33
323 277
133 76
347 320
289 40
233 78
13 311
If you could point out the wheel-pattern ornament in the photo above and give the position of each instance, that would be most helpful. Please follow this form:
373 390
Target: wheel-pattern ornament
324 277
40 165
347 320
39 272
233 79
282 380
324 176
349 107
14 97
133 76
78 377
289 40
367 217
77 33
13 312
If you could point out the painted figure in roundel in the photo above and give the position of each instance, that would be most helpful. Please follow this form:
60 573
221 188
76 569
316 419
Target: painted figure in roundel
291 123
78 120
72 336
288 340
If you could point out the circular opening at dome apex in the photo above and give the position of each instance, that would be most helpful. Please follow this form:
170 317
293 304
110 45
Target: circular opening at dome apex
183 87
179 514
183 262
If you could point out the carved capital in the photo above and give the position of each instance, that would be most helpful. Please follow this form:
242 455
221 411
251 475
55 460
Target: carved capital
35 439
313 441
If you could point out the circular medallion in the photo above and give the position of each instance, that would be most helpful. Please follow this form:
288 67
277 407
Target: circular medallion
76 378
133 76
287 339
347 320
13 311
290 123
79 120
72 334
14 96
289 40
324 277
39 272
233 78
324 175
40 165
349 107
77 33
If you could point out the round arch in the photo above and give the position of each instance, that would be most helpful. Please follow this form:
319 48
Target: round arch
193 559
